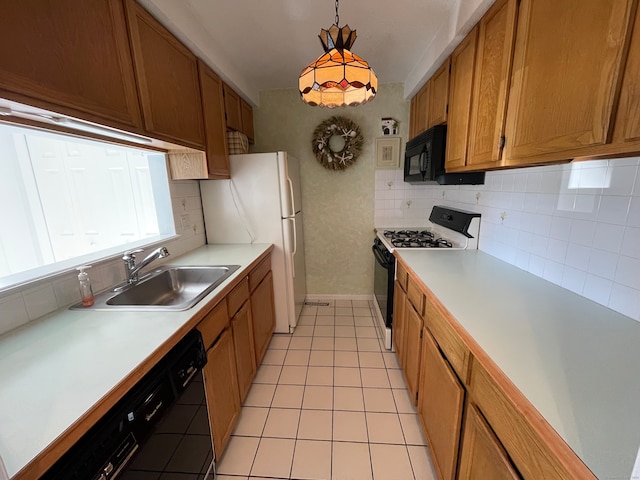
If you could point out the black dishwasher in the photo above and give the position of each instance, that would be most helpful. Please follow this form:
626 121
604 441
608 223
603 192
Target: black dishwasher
159 426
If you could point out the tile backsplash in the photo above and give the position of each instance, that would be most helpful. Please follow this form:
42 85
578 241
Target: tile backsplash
576 225
21 305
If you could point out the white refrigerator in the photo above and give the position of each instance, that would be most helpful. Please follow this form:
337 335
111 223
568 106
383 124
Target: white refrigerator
261 203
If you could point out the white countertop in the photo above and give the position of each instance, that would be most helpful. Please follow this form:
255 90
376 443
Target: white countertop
55 369
576 361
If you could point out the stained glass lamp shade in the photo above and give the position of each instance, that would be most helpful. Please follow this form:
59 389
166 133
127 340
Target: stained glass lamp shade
339 77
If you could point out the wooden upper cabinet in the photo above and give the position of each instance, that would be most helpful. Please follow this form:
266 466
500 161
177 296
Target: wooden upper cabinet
422 109
167 74
626 133
482 455
412 117
246 114
566 73
460 90
233 109
214 122
439 95
496 35
70 57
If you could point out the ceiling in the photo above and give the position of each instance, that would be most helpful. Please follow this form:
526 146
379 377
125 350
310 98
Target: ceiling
257 45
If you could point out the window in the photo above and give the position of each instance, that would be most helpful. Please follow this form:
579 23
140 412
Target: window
67 201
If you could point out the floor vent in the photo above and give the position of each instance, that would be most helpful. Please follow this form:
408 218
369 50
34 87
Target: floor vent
316 304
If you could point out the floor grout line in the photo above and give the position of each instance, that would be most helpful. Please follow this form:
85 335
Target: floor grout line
367 373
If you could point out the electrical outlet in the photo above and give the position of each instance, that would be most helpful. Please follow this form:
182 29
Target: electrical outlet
389 184
409 202
477 197
503 215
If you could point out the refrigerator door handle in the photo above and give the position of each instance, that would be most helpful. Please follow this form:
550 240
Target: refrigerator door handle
291 199
293 251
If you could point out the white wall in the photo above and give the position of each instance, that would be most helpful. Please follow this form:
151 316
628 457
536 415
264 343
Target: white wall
21 305
576 225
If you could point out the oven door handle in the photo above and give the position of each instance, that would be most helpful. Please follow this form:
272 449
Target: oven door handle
380 259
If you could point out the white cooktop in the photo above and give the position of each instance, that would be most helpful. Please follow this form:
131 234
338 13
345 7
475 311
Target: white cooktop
458 240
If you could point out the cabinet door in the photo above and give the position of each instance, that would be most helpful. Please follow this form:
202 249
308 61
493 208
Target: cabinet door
246 112
398 327
413 127
214 122
70 57
482 455
245 353
167 74
413 346
496 34
263 315
440 408
422 109
221 389
460 88
627 127
566 71
439 95
232 108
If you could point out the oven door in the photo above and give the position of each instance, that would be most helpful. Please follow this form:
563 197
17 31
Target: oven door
384 274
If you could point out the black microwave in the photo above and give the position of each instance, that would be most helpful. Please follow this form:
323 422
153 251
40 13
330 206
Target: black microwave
424 161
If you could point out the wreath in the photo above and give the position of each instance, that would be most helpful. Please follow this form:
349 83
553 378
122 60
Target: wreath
353 140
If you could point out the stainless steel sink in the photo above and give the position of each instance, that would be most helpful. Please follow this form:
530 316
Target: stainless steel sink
164 289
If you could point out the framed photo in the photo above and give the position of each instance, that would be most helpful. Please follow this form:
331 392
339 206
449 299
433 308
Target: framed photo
388 152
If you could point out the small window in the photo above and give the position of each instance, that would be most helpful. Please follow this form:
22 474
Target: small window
67 201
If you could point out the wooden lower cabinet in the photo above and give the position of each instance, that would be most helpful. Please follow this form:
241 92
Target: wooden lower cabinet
242 328
440 407
221 389
263 315
482 455
399 320
413 345
457 386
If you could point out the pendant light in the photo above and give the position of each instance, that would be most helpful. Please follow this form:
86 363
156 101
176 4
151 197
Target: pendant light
338 77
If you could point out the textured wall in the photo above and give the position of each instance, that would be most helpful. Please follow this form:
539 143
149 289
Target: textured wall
338 205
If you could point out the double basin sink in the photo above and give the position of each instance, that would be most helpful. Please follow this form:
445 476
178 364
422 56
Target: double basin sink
168 288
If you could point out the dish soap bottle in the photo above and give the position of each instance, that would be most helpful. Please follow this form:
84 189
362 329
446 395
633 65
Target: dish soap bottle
85 286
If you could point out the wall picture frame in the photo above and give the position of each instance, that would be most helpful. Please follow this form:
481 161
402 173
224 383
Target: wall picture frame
388 152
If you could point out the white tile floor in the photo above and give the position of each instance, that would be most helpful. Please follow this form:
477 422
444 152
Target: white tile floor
328 402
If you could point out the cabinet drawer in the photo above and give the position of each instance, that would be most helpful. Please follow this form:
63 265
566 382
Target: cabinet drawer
401 276
536 452
415 296
448 340
213 324
237 297
258 273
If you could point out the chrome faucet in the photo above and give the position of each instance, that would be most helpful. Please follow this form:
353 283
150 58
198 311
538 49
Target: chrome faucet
130 267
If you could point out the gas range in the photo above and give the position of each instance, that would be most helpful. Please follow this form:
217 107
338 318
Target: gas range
447 228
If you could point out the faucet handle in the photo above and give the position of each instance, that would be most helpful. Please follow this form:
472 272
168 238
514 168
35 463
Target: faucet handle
129 254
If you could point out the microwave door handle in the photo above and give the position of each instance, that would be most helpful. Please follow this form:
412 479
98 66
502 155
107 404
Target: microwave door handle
424 162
